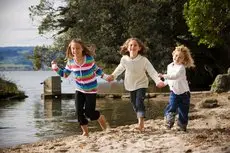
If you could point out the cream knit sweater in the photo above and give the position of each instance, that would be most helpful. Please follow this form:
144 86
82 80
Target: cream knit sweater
135 72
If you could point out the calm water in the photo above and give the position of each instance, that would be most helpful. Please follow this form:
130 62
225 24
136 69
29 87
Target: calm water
34 119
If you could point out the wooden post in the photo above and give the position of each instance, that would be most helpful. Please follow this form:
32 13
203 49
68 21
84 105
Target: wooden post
52 87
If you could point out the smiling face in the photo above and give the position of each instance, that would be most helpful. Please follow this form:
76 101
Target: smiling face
76 50
178 57
133 48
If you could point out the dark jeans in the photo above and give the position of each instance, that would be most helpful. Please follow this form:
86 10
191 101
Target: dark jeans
85 107
178 104
137 98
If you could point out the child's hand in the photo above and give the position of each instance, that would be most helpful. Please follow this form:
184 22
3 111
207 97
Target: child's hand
53 62
104 76
110 78
160 75
54 65
161 84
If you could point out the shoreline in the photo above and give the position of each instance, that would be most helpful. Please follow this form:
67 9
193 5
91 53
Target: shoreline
208 132
119 95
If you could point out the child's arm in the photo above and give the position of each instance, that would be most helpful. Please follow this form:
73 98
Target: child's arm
120 68
100 72
118 71
115 74
153 74
97 70
173 76
62 72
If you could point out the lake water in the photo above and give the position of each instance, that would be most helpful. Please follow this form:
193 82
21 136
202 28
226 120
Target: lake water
34 119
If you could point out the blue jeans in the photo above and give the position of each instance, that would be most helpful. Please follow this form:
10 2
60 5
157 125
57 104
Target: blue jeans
178 104
137 98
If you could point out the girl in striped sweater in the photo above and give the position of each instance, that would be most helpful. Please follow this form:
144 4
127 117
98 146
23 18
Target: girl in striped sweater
81 63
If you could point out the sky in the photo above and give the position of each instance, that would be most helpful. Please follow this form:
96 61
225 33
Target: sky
16 27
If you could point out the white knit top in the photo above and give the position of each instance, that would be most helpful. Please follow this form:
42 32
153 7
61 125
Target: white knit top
135 72
176 78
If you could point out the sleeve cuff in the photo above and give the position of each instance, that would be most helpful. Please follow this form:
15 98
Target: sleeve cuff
54 67
165 76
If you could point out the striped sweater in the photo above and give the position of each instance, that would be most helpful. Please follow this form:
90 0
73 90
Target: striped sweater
84 75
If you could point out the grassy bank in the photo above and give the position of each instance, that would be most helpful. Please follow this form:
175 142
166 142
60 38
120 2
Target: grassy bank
9 90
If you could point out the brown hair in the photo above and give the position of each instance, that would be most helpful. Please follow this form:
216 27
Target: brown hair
188 60
86 50
124 47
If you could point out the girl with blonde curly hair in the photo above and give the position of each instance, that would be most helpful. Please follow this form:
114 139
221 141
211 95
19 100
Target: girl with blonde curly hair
176 79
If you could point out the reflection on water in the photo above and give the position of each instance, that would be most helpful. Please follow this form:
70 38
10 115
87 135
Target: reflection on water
34 119
52 107
60 118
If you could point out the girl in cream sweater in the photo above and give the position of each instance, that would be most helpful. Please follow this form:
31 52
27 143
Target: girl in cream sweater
136 81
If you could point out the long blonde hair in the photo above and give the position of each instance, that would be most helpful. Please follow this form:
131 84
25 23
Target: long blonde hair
188 60
86 50
124 47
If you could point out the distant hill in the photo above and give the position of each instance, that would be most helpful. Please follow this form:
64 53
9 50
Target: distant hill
14 58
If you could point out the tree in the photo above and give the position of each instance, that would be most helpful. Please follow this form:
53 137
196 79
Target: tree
43 55
160 24
209 20
108 24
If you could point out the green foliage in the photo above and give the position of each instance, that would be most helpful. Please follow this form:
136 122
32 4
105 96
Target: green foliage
160 24
37 57
43 55
209 21
107 24
8 86
9 90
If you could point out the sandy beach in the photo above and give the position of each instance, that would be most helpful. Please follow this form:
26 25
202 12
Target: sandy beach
208 132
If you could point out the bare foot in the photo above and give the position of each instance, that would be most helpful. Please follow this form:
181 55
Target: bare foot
141 129
85 130
101 120
85 134
140 124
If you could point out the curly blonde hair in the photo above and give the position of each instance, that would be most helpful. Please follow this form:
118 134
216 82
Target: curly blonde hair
188 60
86 50
124 47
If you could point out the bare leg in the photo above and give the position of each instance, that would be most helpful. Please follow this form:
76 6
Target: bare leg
85 130
101 120
141 123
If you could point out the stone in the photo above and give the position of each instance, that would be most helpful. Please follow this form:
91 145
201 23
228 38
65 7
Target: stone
221 83
209 103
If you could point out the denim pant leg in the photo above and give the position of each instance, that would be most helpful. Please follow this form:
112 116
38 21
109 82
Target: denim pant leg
137 98
172 105
183 109
171 109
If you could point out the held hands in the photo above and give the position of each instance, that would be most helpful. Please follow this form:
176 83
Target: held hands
108 78
161 84
160 75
